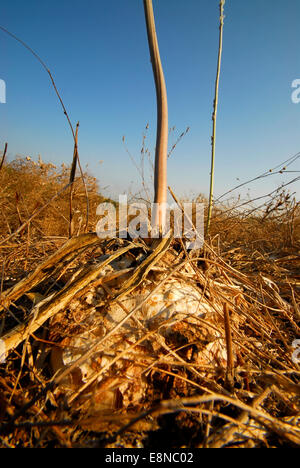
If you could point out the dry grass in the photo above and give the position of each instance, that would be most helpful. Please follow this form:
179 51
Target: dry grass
27 187
225 377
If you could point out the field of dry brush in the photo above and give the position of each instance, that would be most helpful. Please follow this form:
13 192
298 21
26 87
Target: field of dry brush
122 343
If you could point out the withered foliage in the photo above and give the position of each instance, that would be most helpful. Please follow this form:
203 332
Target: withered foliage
122 343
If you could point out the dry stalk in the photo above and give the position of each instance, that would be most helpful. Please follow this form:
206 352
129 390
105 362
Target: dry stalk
160 174
228 337
55 302
44 271
214 116
71 181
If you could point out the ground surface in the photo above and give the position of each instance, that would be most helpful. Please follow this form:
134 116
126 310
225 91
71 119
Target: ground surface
122 344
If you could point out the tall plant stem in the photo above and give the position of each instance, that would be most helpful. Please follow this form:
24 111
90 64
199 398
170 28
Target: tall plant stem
214 117
160 171
71 180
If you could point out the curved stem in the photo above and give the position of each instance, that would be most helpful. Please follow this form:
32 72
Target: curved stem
160 171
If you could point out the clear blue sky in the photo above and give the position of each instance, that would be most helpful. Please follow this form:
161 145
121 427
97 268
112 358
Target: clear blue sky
98 54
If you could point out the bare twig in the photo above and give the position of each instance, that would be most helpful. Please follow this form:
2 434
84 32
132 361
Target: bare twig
214 116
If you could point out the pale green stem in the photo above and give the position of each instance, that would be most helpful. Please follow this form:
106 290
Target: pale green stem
214 117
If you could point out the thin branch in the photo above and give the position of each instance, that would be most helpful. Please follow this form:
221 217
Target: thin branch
282 169
214 116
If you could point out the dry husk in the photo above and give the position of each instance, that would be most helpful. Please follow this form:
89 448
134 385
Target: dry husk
138 333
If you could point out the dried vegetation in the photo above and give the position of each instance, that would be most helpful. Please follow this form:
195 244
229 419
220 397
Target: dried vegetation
122 343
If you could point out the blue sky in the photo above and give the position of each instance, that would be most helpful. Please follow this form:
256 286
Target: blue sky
98 54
